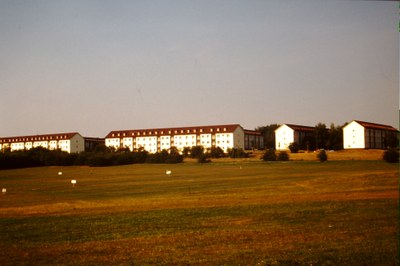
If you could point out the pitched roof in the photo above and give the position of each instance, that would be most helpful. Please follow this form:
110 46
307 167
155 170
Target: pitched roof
44 137
173 131
300 127
375 126
252 132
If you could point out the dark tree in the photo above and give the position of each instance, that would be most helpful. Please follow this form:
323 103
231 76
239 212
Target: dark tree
335 138
321 136
269 135
197 151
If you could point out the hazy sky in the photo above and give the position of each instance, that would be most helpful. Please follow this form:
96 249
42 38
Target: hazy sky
97 66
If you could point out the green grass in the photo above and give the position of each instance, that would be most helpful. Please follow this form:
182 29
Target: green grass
223 213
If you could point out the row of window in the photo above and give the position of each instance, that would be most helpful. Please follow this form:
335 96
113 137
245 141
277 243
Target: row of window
25 139
181 131
218 136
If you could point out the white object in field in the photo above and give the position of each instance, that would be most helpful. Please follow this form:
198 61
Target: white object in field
168 172
59 173
73 181
3 190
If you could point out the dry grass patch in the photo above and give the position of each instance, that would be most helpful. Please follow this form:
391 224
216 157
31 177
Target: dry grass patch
230 212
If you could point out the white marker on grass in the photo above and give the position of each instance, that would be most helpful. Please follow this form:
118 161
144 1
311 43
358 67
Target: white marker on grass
168 172
73 182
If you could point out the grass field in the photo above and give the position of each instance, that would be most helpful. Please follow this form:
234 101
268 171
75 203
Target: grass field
229 212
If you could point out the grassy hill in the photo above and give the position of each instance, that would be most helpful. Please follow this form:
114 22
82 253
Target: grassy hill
227 212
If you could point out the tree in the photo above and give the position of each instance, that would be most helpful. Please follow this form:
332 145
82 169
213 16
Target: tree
269 135
197 151
186 151
321 136
335 138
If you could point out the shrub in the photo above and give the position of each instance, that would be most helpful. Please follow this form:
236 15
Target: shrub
269 155
322 156
283 156
216 152
294 147
203 159
237 153
391 156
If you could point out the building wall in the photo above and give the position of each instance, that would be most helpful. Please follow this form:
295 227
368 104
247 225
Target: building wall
52 142
284 135
238 138
76 144
113 143
160 139
147 143
353 136
165 142
206 140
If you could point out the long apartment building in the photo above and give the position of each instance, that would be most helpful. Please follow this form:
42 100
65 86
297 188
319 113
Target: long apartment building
72 142
154 140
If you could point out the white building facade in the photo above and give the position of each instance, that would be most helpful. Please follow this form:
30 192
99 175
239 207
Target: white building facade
68 142
289 133
155 140
365 135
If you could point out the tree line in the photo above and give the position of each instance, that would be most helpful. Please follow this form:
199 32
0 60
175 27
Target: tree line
100 156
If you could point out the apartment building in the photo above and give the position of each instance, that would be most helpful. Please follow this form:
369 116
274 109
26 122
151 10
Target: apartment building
71 142
154 140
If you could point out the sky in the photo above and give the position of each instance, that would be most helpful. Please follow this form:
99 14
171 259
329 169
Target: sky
96 66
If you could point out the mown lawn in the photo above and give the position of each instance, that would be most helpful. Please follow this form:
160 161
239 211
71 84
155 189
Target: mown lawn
223 213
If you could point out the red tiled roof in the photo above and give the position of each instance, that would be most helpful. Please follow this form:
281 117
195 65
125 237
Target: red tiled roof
45 137
172 131
375 126
252 132
300 127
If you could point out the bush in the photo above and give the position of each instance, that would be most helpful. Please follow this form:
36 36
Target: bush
269 155
391 156
237 153
294 147
216 152
283 156
322 156
203 159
